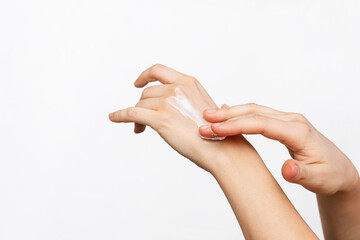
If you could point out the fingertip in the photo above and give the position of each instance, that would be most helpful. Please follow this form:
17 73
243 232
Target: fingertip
136 131
111 116
209 114
139 128
289 170
137 84
210 111
205 131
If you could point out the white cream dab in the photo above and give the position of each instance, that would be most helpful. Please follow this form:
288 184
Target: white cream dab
182 104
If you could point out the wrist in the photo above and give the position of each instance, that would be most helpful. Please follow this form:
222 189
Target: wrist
353 185
347 192
236 154
351 181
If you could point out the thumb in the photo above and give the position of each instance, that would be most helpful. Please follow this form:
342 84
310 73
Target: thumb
294 171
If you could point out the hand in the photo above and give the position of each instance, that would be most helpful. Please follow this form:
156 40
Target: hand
317 164
233 162
180 132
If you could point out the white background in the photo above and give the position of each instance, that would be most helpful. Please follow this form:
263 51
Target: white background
66 172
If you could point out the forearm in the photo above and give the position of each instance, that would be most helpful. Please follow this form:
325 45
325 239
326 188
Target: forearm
261 207
340 214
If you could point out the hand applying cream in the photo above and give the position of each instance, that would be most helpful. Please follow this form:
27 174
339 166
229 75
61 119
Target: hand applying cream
183 105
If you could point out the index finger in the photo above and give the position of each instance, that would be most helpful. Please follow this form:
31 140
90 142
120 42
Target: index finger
160 73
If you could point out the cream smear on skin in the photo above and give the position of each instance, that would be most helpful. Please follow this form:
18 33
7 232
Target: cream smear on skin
182 104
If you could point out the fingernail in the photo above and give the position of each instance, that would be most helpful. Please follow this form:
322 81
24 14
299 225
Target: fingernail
111 115
205 127
211 111
217 124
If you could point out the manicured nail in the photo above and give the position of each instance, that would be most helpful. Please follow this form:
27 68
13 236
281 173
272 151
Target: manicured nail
211 111
217 124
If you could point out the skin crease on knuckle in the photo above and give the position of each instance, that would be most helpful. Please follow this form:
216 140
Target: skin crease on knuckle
224 113
298 117
254 108
131 113
261 122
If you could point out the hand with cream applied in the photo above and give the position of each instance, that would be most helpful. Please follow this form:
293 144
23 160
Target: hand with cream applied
317 164
183 105
173 109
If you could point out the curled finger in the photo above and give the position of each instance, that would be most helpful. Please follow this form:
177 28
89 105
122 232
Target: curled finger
160 73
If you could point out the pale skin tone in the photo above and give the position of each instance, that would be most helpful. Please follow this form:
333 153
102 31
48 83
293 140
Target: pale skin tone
260 206
316 163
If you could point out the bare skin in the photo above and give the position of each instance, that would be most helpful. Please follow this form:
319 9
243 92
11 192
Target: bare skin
261 207
316 164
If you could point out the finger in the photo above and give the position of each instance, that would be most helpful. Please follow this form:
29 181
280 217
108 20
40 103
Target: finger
149 103
154 91
272 128
289 169
297 172
160 73
206 131
136 114
310 176
139 128
219 115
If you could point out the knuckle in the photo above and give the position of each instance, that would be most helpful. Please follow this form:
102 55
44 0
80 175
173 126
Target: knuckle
260 118
299 117
261 121
225 113
253 107
131 112
155 68
190 80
